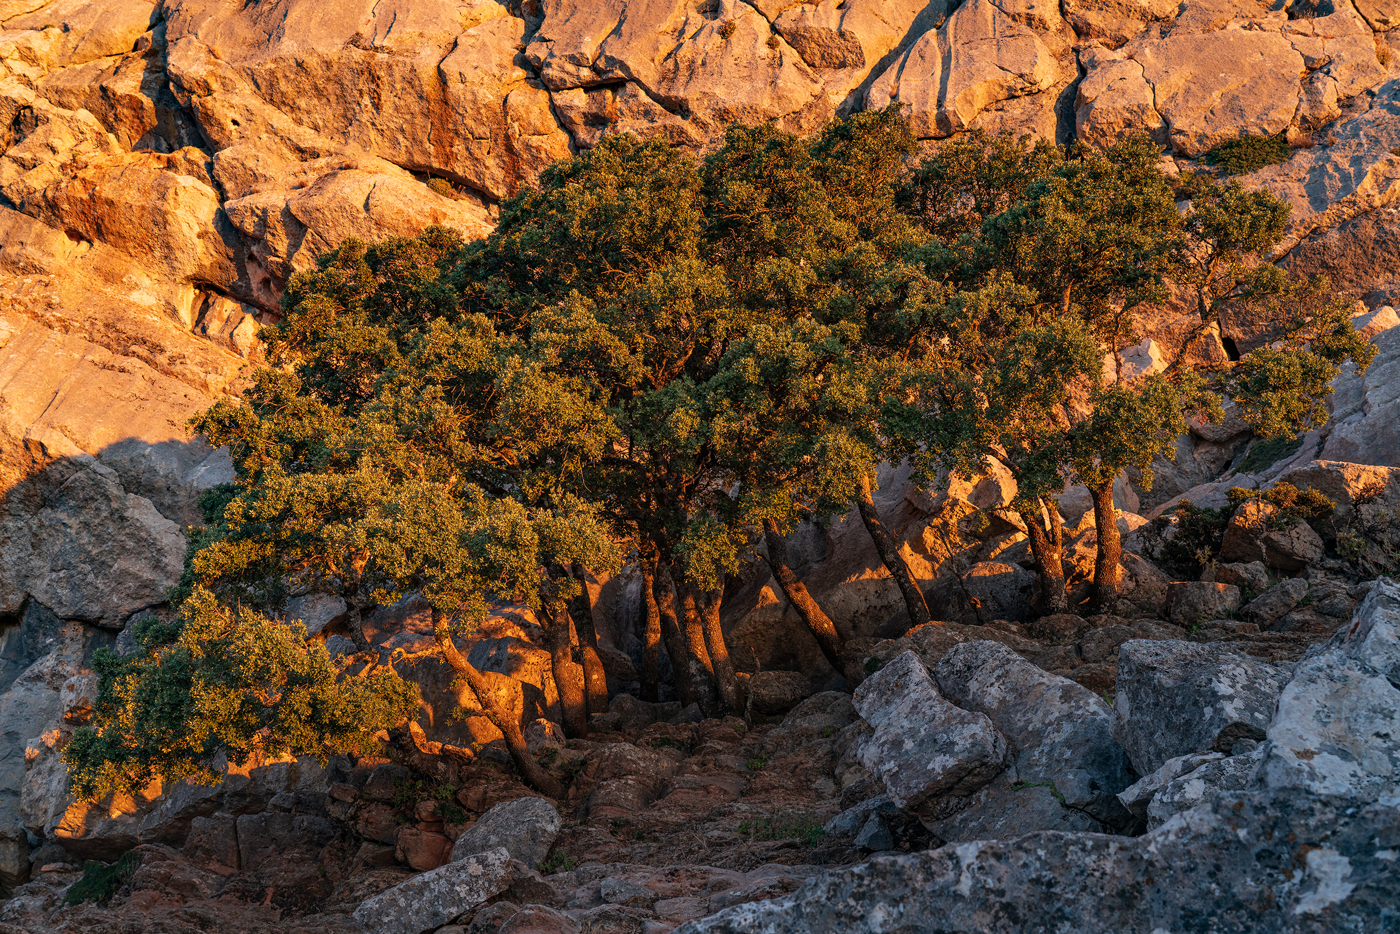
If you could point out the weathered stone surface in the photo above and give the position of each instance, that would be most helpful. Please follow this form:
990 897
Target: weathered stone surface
1189 602
1114 99
951 75
922 745
1276 601
1116 21
1175 698
1138 796
434 898
1077 881
1335 732
775 692
1060 731
525 828
1213 87
1201 785
1249 576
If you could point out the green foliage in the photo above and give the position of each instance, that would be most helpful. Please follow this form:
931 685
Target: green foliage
1199 535
1292 504
807 830
1264 453
558 861
222 681
442 187
1249 153
1059 796
100 881
756 763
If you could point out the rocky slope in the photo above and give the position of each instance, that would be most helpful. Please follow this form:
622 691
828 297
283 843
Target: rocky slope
164 167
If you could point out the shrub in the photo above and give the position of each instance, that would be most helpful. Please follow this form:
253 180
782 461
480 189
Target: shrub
1265 453
1293 504
100 881
727 30
1199 534
441 186
1249 153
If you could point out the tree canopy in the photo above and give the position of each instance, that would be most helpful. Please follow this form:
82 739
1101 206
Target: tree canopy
674 360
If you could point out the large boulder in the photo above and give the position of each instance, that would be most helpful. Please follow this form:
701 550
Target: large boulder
1060 731
924 746
1275 602
1175 698
1190 602
432 899
1337 730
525 828
1216 868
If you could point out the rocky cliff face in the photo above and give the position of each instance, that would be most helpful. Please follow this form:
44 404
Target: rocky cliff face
166 166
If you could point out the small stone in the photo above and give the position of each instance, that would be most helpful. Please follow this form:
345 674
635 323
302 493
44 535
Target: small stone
875 835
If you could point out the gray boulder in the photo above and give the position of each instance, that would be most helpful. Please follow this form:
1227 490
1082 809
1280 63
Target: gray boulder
1190 602
1251 576
431 899
1201 785
1276 602
1059 730
1337 730
1220 867
525 828
1293 548
922 745
1138 796
775 692
1175 698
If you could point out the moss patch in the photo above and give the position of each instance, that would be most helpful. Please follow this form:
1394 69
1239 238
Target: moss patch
1264 454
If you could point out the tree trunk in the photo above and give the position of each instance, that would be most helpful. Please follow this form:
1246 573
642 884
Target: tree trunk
651 639
568 676
719 652
505 720
710 703
889 554
595 679
1108 569
818 623
693 681
1048 548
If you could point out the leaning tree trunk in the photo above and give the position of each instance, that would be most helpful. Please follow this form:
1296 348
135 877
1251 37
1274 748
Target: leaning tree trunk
691 668
595 679
1048 548
568 676
651 638
818 623
889 554
1108 568
505 720
725 678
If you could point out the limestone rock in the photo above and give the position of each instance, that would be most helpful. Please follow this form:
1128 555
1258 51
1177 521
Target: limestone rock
1060 731
1175 698
1114 99
951 75
1077 881
922 745
1201 785
1335 731
1213 87
1138 796
1249 576
525 828
775 692
1275 602
92 552
1190 602
432 899
1116 21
